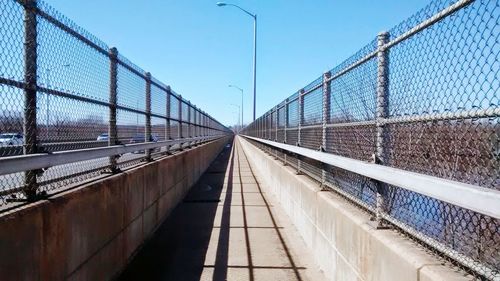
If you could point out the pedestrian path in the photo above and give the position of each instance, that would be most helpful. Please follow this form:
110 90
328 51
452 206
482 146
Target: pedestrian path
227 228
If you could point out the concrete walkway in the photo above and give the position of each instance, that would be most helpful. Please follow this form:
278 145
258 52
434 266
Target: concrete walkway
227 228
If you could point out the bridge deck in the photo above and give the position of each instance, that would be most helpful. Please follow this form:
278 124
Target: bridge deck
227 228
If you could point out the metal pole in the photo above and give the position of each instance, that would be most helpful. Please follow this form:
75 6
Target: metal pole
179 129
203 124
147 131
276 130
276 123
254 63
265 125
113 86
301 120
382 112
189 126
195 111
30 80
285 140
325 120
47 105
241 107
167 133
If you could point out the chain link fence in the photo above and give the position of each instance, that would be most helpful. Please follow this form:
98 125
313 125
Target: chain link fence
422 97
63 89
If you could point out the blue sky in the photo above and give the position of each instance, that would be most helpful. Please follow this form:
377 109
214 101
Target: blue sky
199 48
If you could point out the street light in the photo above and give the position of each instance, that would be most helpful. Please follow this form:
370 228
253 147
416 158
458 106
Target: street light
254 16
239 110
241 90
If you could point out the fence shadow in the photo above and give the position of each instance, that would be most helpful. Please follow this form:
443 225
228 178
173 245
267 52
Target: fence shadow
178 248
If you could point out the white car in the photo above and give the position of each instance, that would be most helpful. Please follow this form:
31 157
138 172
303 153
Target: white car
11 139
103 137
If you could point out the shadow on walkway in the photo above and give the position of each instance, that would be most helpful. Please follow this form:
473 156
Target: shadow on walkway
177 249
225 229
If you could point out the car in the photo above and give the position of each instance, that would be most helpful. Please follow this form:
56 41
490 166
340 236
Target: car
11 139
139 138
103 137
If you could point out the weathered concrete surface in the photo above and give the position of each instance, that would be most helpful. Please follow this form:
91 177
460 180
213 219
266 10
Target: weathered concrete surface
227 228
90 233
342 241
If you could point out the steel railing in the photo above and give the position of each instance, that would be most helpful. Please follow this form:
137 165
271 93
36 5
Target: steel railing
408 128
61 88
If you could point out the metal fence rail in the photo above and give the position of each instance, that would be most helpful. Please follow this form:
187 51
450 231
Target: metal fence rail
422 102
72 108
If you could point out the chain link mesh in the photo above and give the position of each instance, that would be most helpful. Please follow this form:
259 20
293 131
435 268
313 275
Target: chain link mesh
438 115
57 94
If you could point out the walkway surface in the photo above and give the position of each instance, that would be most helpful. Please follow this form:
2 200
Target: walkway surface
227 228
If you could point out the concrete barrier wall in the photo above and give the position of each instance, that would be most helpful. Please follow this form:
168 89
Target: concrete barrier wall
344 244
91 232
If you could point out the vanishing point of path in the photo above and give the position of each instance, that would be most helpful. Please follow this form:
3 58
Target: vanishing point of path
227 228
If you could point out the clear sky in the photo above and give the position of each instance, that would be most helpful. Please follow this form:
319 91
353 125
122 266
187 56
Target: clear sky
199 48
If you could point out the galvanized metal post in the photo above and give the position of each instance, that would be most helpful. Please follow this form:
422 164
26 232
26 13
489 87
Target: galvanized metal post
190 125
265 126
285 128
261 128
198 115
147 131
276 109
382 112
167 128
325 120
113 86
276 130
301 121
203 124
30 99
179 131
269 129
195 121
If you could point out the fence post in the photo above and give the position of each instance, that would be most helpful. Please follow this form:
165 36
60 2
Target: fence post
276 109
301 120
147 131
179 131
325 119
203 125
260 130
30 99
285 129
195 111
113 86
190 126
265 125
382 112
167 128
276 130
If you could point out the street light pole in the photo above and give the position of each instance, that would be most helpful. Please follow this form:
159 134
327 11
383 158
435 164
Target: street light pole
254 63
241 90
254 16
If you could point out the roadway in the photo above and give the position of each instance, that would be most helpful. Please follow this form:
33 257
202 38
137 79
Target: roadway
16 180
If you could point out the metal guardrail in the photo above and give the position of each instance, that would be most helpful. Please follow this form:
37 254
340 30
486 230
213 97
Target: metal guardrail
408 128
22 163
62 88
475 198
472 197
